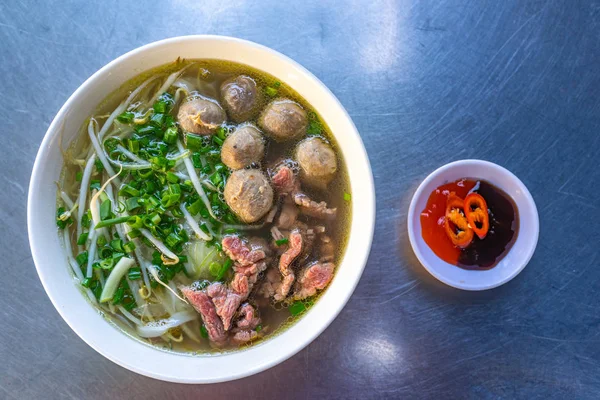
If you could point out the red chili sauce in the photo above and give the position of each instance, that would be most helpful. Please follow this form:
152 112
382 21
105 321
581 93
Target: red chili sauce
480 253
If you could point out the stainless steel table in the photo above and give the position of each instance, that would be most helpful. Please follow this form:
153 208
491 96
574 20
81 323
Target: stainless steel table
515 82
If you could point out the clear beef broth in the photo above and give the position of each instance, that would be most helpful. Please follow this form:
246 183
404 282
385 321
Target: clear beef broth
206 76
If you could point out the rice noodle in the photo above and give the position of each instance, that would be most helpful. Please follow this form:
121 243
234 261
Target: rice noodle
196 181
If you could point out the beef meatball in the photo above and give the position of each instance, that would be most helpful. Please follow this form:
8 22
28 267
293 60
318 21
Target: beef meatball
200 115
248 194
317 162
243 147
283 120
240 97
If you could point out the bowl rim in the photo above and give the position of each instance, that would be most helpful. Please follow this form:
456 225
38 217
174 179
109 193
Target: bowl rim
329 314
414 236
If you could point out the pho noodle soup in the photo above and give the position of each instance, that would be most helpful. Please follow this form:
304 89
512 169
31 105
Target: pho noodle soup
204 206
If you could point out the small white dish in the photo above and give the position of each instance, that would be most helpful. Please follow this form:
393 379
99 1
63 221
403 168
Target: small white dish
51 262
519 254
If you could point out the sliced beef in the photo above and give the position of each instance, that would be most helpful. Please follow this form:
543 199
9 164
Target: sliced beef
241 252
245 277
312 278
285 264
244 336
284 181
204 305
226 302
314 209
248 317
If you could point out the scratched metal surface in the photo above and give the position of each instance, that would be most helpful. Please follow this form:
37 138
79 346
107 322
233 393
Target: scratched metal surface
427 82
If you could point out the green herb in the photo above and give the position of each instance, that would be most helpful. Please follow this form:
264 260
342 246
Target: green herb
79 176
271 91
82 238
129 247
282 241
61 218
95 184
297 308
203 331
82 258
105 210
86 218
226 265
347 196
193 142
99 165
258 328
126 117
111 221
134 274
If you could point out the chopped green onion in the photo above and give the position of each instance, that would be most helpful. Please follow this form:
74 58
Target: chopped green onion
105 209
221 132
276 84
132 203
126 117
105 252
117 244
203 331
111 221
86 282
82 258
297 308
193 142
134 274
107 263
258 328
157 119
271 91
99 166
171 177
135 222
101 241
214 268
217 140
61 218
85 220
282 241
79 176
226 265
82 238
134 233
171 135
347 196
130 190
229 231
173 240
129 247
95 184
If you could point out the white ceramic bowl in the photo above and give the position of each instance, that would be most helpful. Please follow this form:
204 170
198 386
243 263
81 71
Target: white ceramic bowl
519 254
50 258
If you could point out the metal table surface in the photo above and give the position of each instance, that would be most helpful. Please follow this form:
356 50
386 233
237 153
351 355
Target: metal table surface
427 82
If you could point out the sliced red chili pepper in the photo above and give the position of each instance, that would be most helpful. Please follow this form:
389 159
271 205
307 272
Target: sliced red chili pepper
477 214
455 224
